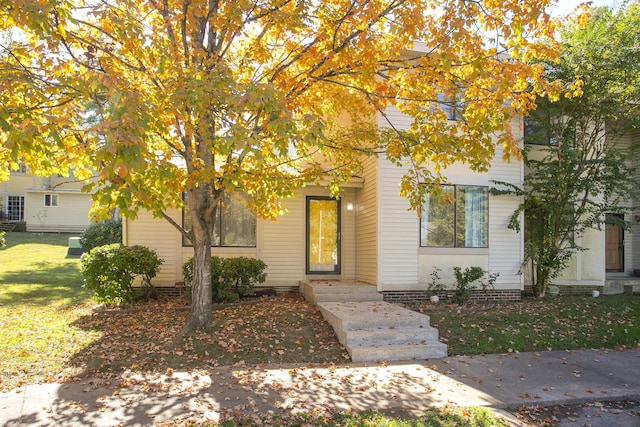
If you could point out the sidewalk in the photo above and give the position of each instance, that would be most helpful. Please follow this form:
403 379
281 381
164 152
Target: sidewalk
497 381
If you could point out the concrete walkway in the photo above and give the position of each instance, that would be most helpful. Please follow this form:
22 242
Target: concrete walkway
370 328
496 381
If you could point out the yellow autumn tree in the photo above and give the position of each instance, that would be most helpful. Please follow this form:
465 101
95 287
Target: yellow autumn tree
166 97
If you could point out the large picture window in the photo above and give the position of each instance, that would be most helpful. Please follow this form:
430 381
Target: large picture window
234 225
463 223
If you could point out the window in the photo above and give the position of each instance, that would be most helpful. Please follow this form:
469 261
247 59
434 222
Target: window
535 132
541 128
51 200
15 208
463 223
234 225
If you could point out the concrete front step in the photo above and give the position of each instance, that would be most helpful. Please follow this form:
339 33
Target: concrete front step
334 291
347 297
373 337
398 352
375 330
372 315
621 285
632 288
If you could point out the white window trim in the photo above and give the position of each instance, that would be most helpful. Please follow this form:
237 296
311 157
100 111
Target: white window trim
455 247
52 198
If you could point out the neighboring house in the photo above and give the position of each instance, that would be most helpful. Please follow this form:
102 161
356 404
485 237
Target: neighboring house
621 248
52 204
612 255
368 235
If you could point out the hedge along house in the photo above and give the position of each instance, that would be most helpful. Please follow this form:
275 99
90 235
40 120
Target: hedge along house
367 235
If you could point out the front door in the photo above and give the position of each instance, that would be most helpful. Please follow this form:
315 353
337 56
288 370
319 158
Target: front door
323 235
614 246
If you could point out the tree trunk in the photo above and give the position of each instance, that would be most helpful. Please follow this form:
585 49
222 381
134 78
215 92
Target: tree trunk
542 281
202 210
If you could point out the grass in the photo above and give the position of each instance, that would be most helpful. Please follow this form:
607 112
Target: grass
49 332
445 417
41 296
569 322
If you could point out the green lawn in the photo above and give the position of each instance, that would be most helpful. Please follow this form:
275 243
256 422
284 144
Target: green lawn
41 296
568 322
444 417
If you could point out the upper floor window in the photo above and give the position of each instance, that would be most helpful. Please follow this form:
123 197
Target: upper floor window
51 200
542 127
462 223
234 224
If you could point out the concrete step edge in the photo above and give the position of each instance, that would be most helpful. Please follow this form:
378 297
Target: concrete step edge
347 297
403 336
378 324
398 353
342 290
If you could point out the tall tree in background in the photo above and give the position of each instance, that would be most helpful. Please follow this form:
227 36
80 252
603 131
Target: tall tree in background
578 168
165 97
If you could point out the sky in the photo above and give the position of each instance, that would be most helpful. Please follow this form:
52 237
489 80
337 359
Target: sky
566 6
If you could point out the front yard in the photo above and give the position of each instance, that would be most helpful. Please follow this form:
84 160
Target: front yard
49 332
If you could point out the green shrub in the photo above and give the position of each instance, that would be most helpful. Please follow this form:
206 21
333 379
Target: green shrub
3 243
241 274
110 270
468 280
101 233
435 285
231 278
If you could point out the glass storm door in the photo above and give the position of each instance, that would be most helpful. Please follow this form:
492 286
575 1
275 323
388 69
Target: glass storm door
323 235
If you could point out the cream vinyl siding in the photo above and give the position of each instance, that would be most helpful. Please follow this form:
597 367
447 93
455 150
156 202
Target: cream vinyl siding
398 234
397 226
348 235
366 208
17 183
70 216
159 235
506 246
281 245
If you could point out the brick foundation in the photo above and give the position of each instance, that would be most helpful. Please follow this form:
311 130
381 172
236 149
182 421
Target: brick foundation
568 290
479 296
